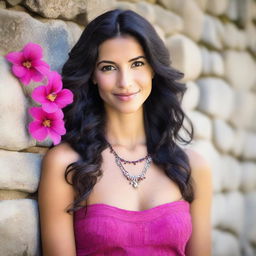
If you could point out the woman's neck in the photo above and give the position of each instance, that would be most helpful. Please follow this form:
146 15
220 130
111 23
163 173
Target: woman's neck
126 130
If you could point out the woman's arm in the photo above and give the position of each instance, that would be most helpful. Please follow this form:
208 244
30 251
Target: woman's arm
55 195
200 241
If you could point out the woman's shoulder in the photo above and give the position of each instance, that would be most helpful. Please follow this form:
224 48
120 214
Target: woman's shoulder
200 166
61 155
197 160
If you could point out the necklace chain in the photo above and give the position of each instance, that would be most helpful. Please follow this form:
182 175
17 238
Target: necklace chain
126 161
134 179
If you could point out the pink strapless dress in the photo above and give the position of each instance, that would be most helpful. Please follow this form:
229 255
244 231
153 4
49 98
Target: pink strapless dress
163 230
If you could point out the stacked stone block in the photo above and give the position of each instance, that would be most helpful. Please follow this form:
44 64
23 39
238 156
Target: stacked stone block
213 42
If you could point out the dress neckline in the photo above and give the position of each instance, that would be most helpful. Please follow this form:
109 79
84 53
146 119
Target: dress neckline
125 210
102 209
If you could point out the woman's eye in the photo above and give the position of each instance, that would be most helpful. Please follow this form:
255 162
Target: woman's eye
107 68
137 63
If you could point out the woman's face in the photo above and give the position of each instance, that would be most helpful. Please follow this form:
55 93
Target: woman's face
122 74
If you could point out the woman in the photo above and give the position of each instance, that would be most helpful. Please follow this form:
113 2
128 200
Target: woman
119 184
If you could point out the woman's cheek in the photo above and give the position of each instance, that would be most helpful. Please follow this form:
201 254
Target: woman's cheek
106 82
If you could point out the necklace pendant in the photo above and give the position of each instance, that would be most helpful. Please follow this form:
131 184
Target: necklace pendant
134 183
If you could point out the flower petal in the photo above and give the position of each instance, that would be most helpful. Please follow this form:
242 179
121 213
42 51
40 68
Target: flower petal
54 136
39 94
36 76
27 78
32 51
64 98
37 130
19 71
58 114
38 62
50 107
54 82
58 126
37 113
15 57
42 69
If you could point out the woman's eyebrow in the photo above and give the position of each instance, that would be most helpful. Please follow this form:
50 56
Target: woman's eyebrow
105 61
136 58
112 62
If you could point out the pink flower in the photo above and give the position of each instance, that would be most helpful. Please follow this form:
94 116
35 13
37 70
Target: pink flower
45 124
51 96
27 64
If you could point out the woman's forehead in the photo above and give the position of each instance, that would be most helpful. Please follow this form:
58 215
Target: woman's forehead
124 46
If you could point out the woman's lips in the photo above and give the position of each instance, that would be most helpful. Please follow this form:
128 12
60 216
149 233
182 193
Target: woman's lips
126 97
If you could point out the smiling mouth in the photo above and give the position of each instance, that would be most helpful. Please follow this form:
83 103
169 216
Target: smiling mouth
126 96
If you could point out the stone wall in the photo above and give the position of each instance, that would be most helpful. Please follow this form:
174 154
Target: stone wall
213 42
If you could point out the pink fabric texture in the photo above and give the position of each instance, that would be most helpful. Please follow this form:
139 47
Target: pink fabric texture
163 230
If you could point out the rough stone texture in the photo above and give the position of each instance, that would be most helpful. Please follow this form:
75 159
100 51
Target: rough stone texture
19 171
54 36
191 96
245 11
213 32
242 115
225 244
61 8
223 135
238 143
248 179
160 32
124 5
2 5
19 224
40 150
217 64
191 14
202 4
216 97
12 194
249 151
218 209
14 2
97 7
234 38
207 150
217 7
18 8
146 10
234 204
13 117
251 37
213 63
202 125
224 207
250 224
184 55
232 10
168 21
231 168
238 76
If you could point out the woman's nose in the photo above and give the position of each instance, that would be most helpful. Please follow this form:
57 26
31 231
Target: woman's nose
125 78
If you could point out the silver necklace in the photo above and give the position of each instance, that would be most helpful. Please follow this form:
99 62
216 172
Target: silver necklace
133 179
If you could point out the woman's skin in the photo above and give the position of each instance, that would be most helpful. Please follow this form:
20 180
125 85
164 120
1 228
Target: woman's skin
121 68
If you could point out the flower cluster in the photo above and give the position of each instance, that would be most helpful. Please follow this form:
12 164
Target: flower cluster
48 119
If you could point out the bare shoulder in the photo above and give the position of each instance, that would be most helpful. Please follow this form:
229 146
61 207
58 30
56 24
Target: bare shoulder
55 197
197 162
200 209
61 154
200 171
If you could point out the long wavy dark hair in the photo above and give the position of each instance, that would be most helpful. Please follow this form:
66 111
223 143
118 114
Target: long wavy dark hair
85 118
